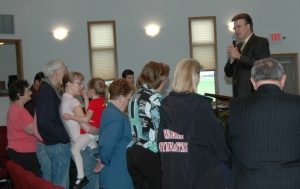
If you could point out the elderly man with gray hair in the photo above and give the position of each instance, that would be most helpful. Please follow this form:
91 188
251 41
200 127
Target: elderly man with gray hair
263 132
50 127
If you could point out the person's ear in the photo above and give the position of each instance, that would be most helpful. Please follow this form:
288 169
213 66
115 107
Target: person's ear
253 83
67 84
282 82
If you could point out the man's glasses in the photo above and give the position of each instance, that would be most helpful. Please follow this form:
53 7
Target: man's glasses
238 26
64 71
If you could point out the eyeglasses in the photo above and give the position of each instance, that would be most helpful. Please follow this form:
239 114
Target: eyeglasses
64 71
80 83
238 26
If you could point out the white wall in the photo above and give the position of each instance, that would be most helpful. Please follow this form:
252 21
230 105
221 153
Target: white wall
36 19
18 8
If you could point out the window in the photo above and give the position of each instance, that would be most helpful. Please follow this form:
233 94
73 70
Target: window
7 24
203 48
103 50
289 62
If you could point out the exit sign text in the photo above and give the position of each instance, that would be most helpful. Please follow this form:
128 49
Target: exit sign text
275 37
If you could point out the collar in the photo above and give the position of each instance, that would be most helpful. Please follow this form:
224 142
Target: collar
247 39
269 87
145 86
53 86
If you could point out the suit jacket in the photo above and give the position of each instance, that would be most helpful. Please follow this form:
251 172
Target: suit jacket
49 123
264 135
240 70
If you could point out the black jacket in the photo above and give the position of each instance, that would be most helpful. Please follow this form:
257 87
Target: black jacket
264 130
49 123
240 70
191 143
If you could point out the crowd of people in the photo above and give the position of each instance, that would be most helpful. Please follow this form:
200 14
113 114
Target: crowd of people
126 136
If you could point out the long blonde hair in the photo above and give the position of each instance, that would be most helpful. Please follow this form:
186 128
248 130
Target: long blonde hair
185 75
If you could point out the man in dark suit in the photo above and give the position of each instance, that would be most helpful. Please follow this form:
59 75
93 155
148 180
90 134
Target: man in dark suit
243 56
264 132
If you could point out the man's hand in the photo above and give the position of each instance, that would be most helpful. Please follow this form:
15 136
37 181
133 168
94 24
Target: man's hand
233 53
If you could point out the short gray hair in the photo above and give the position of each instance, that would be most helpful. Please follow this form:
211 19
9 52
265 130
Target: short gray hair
51 66
267 69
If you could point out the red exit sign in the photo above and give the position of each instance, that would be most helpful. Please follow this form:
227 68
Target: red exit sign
275 37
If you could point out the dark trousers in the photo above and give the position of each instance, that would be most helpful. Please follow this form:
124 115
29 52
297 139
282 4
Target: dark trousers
144 167
27 160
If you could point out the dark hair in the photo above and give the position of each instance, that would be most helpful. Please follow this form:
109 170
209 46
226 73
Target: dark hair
126 73
119 87
17 89
245 17
39 76
153 74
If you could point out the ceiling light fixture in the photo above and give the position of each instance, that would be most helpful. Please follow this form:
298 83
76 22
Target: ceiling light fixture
152 30
230 26
60 33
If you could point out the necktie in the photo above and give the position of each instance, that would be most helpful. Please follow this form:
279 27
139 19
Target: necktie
243 45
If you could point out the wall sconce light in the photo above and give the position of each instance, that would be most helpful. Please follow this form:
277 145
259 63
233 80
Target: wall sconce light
230 26
152 30
60 33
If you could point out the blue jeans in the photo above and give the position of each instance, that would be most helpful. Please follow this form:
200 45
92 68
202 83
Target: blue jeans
44 161
60 157
89 163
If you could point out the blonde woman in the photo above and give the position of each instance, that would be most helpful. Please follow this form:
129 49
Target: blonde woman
190 138
73 86
98 93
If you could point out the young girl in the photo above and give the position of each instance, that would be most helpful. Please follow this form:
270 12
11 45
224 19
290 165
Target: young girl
98 92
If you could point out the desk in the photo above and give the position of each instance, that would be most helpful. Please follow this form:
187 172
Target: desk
222 102
220 107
